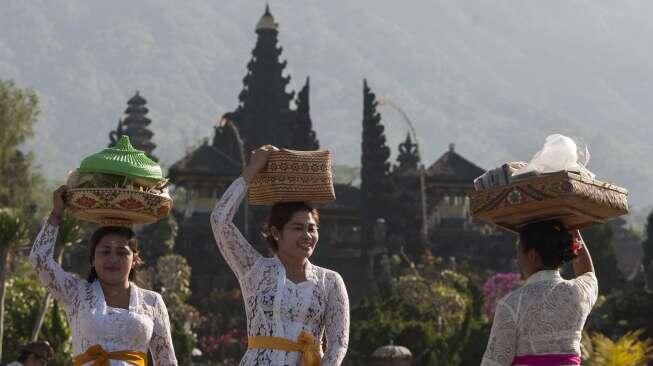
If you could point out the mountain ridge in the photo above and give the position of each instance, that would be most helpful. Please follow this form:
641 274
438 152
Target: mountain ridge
494 77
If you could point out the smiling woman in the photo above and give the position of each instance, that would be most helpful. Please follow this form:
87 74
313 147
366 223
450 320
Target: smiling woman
292 233
291 304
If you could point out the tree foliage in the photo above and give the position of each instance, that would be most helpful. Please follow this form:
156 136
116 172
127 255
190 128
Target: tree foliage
222 335
375 168
302 136
157 239
647 248
622 312
19 109
24 293
599 239
435 316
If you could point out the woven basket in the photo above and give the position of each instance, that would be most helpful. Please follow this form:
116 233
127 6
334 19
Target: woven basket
294 176
576 201
117 207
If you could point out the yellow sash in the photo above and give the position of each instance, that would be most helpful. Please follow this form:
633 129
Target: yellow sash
310 351
100 357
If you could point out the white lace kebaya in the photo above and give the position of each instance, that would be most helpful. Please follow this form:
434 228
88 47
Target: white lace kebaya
144 326
275 306
543 317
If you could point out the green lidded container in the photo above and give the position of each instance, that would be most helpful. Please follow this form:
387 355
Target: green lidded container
122 159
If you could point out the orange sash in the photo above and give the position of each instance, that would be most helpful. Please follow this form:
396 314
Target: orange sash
310 351
100 357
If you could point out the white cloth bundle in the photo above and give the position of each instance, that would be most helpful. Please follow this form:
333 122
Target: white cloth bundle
559 153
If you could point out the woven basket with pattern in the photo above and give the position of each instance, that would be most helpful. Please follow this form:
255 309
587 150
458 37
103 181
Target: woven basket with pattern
294 176
116 206
576 201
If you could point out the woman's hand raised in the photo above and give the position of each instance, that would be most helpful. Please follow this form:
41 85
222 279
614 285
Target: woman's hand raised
583 262
257 161
58 205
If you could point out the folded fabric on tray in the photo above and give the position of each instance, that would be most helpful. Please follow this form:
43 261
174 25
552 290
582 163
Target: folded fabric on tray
498 176
558 154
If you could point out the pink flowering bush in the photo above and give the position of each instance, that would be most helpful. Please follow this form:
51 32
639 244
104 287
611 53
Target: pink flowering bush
215 348
498 286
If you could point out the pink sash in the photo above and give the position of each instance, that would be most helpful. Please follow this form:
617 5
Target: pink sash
546 360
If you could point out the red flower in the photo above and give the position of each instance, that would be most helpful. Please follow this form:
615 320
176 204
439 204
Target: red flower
575 246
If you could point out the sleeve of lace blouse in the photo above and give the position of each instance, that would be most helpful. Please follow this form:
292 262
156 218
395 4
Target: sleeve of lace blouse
337 323
588 288
161 347
501 346
64 286
239 254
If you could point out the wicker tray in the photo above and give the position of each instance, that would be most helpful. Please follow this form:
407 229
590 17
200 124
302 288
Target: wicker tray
117 207
577 201
294 176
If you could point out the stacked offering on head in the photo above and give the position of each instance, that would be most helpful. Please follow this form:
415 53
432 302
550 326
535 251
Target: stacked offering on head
555 185
294 176
119 186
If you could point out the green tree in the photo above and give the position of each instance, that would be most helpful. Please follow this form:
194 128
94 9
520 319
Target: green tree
13 234
19 109
431 315
24 292
599 239
57 332
302 136
647 248
156 240
221 333
375 170
622 312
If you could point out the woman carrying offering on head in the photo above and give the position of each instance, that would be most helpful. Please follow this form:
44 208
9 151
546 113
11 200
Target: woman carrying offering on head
291 305
541 322
113 321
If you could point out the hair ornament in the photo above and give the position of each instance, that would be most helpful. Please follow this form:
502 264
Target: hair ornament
576 246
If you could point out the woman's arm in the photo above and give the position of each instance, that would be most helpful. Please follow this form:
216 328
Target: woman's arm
583 262
588 286
336 323
501 346
161 347
63 285
236 250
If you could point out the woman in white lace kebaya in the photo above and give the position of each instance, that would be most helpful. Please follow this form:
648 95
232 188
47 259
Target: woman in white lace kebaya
113 321
291 304
541 322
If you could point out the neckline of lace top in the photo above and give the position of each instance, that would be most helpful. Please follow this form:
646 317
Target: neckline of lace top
308 272
544 275
102 301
